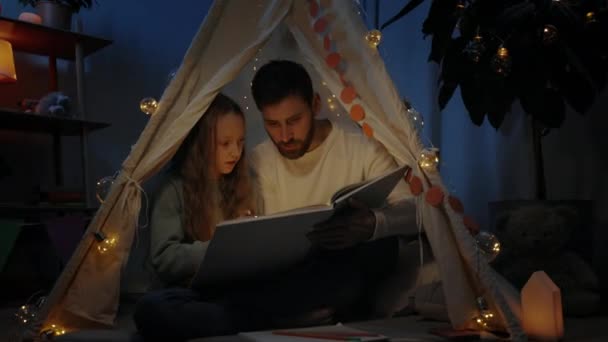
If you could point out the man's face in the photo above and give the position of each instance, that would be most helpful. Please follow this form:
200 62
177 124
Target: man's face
290 125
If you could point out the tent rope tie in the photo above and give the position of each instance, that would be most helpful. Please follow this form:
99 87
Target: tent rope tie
419 213
135 183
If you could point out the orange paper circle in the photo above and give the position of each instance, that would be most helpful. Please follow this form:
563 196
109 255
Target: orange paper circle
314 9
415 185
456 204
471 225
320 25
348 94
434 196
333 59
357 112
368 130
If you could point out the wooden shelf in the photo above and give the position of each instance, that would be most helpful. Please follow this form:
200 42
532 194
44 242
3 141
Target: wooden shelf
28 122
47 41
20 210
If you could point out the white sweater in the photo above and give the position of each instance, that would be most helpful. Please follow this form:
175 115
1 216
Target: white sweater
344 158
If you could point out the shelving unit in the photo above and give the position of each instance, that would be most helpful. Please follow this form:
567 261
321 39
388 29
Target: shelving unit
34 123
17 210
54 43
48 41
31 229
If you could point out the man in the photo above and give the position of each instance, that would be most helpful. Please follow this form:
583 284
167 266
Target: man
306 160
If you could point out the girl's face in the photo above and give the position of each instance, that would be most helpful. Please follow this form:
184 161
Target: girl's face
230 138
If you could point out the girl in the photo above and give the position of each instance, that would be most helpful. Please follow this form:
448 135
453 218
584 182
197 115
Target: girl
208 183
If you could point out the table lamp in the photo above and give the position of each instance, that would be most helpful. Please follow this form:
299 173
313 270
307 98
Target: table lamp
7 63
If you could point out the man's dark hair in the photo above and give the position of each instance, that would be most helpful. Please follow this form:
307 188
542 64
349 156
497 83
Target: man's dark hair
279 79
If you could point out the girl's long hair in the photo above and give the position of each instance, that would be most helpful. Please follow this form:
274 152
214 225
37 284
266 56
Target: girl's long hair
206 200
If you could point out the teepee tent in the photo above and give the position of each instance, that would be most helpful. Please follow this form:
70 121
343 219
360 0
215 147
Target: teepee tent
329 37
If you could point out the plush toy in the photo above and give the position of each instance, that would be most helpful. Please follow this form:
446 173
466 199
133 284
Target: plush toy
534 238
55 103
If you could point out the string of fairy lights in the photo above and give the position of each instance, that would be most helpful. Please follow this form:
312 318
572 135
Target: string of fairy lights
486 243
487 246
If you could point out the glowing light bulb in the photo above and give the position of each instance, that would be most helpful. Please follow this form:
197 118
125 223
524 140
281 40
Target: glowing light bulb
550 35
331 104
54 330
460 5
429 159
148 105
502 61
373 38
107 244
590 18
484 318
481 322
487 315
25 313
488 245
102 188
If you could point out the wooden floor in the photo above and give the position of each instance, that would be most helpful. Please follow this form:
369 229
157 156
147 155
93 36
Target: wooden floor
414 328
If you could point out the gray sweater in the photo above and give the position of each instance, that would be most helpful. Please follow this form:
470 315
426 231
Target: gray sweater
174 256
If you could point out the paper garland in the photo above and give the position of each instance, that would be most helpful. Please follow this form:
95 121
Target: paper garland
434 195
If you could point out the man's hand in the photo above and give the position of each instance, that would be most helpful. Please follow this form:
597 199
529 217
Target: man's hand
355 225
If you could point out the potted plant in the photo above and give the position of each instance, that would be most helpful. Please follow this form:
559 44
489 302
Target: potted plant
543 53
57 13
546 54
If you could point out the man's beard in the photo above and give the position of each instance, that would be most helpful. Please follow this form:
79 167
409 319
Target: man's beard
304 145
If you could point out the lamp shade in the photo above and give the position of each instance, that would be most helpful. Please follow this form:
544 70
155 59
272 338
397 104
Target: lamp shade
7 63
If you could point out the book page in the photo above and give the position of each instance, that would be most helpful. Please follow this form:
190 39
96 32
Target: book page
375 191
297 211
250 247
345 190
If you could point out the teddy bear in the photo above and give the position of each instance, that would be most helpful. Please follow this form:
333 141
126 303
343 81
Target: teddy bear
534 238
54 103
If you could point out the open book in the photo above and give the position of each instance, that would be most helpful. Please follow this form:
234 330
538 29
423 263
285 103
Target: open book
252 246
